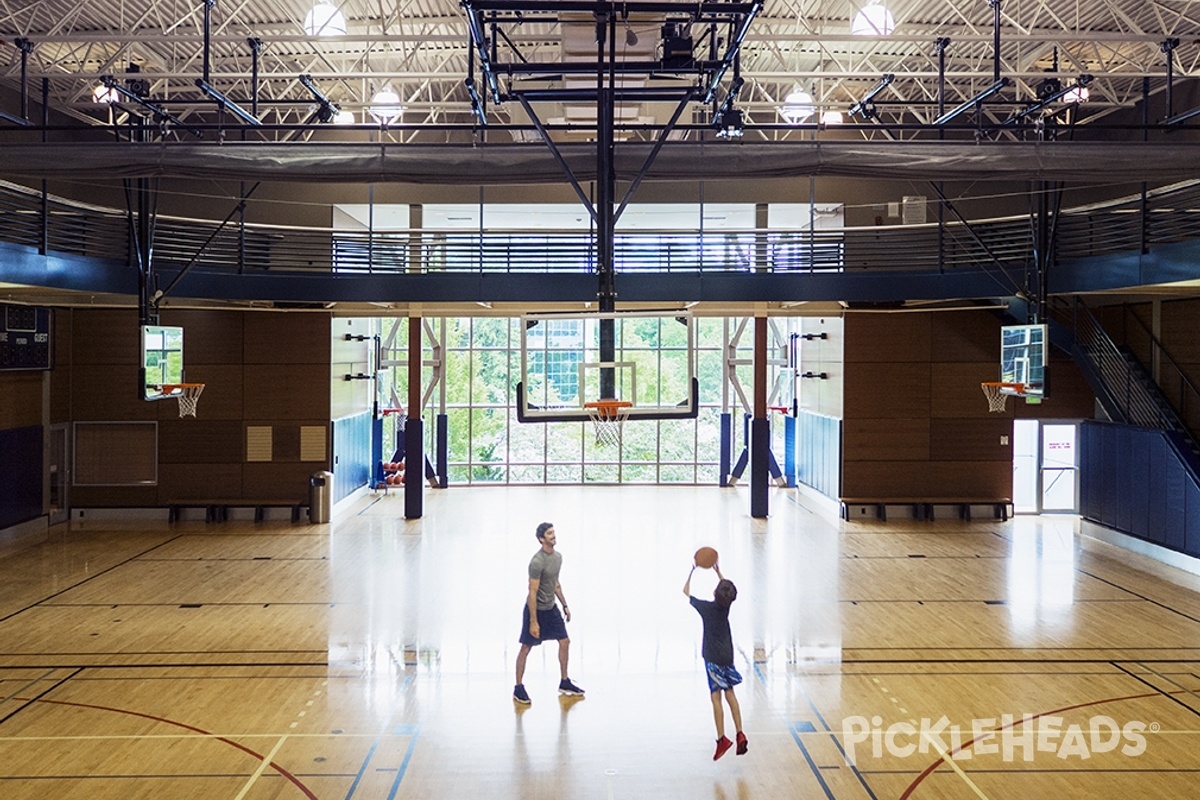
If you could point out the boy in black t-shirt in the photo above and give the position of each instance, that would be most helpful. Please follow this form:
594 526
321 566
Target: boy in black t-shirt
717 650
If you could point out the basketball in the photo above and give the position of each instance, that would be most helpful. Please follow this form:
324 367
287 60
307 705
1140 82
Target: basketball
706 557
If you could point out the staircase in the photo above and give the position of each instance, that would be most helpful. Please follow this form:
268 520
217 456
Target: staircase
1125 389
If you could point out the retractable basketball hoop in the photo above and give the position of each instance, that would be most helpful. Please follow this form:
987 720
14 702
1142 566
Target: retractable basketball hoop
188 394
997 393
608 417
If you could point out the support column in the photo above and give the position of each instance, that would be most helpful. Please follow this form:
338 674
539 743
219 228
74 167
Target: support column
760 432
414 432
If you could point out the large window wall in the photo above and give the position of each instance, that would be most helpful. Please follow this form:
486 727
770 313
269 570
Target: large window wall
488 445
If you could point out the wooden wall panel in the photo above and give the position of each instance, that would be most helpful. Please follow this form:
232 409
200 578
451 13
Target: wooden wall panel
285 443
20 398
1178 333
972 439
108 392
968 336
939 479
209 337
200 441
887 337
1070 395
114 496
106 336
956 391
887 390
60 376
281 482
287 338
286 391
892 439
181 482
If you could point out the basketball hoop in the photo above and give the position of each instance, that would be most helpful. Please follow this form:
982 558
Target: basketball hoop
997 393
188 394
607 417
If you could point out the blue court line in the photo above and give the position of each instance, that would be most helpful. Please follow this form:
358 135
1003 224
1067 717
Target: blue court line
410 730
838 745
807 727
371 753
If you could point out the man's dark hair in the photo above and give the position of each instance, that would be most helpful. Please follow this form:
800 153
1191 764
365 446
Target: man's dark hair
725 593
541 529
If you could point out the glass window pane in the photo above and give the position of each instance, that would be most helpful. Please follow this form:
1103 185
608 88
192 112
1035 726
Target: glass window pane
487 434
563 473
527 474
677 473
458 376
564 441
678 440
601 473
458 434
639 473
489 384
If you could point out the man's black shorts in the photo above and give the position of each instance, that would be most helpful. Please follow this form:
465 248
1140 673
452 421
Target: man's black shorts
550 621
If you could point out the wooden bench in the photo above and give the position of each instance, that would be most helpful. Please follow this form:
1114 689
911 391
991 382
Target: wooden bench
922 507
218 510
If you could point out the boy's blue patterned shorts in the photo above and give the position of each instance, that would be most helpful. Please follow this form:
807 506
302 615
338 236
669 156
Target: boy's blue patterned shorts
720 678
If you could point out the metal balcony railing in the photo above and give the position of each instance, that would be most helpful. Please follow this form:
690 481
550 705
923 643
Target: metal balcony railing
1165 215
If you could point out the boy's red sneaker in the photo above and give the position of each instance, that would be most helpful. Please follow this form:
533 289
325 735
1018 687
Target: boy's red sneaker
742 744
723 745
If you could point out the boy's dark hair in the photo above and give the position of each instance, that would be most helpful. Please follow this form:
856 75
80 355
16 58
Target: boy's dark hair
725 593
541 529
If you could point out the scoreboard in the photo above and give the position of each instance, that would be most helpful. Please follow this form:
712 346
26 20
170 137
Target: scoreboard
25 337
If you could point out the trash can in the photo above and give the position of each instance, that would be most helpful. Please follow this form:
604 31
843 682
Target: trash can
320 497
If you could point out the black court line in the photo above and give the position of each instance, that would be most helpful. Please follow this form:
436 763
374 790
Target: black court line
37 698
1169 695
1183 614
93 577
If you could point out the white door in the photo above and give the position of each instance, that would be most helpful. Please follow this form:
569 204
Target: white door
58 465
1026 493
1060 467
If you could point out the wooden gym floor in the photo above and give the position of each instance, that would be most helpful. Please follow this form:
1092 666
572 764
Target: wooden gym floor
373 657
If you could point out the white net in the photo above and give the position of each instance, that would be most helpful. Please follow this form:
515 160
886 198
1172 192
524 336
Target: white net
188 398
997 399
608 420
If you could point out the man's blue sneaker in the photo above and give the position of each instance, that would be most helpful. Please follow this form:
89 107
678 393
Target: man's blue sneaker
520 695
569 689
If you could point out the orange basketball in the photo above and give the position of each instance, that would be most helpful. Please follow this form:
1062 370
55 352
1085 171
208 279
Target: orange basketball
706 557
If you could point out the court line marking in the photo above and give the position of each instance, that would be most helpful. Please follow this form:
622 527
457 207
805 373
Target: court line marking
410 730
954 766
262 767
807 727
408 679
88 579
223 739
912 787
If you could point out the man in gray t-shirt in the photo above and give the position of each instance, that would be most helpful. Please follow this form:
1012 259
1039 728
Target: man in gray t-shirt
541 619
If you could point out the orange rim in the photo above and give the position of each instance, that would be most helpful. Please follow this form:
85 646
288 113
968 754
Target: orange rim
1019 388
608 409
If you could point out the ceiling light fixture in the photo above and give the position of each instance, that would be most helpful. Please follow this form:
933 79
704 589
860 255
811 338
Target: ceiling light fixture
104 94
797 107
385 107
873 19
325 20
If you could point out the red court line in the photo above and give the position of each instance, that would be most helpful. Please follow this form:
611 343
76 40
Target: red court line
967 745
296 781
